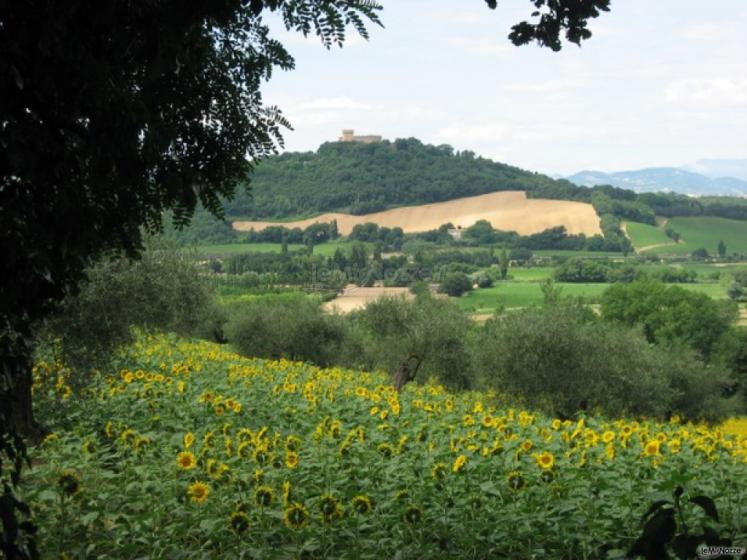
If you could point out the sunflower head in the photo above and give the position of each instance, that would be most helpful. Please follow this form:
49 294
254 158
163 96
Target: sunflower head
330 508
292 443
295 516
264 496
401 495
545 460
239 522
515 480
186 460
439 472
291 459
652 448
459 463
386 450
362 504
412 515
198 491
261 456
69 482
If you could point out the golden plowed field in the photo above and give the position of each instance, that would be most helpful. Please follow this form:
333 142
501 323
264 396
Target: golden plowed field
507 210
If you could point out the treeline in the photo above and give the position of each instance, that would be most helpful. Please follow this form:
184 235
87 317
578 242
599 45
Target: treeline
558 238
581 270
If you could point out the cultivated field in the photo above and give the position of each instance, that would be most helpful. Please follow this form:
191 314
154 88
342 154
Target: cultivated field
508 210
695 232
524 290
646 237
354 297
189 451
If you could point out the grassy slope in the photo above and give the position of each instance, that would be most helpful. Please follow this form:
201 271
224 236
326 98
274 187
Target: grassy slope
696 232
644 235
706 232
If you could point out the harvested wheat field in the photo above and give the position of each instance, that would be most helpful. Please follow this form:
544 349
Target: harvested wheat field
507 210
354 297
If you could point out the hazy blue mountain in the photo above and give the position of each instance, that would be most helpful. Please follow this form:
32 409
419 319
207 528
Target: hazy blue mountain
715 168
669 179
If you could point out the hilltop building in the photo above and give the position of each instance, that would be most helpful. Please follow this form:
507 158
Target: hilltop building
348 135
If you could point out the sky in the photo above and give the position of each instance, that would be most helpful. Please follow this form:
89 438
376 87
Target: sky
660 83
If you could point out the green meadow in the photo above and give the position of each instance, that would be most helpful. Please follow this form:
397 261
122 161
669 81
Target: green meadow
695 232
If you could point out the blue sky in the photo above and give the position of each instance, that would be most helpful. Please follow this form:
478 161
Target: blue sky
660 83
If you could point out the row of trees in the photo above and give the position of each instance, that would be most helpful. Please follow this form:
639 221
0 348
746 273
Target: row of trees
584 270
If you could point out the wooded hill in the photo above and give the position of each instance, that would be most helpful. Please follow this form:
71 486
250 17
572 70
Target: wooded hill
360 178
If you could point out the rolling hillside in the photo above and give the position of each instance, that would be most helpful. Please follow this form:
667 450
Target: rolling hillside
696 232
508 211
358 179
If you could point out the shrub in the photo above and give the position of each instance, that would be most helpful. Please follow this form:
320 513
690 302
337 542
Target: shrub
390 330
296 329
482 279
164 290
563 359
455 284
558 359
669 314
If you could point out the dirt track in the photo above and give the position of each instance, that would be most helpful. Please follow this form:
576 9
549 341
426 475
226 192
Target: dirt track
508 211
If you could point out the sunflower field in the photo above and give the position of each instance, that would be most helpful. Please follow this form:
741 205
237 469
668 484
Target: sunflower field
189 451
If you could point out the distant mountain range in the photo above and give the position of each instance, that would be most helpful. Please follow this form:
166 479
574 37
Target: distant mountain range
704 177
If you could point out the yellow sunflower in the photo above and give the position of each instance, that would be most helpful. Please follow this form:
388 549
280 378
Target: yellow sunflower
198 492
652 448
291 459
189 439
459 463
545 460
186 460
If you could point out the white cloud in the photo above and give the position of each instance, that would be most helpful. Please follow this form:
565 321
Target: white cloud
467 134
491 47
711 91
548 86
331 103
704 32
